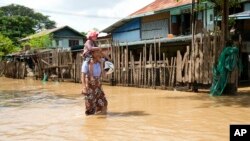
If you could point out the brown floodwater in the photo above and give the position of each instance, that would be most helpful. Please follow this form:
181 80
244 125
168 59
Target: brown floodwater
32 110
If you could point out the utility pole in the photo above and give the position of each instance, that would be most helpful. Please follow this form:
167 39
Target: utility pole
224 22
232 84
192 42
193 21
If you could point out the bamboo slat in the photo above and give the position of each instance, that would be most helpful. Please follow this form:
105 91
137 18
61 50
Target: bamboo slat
178 67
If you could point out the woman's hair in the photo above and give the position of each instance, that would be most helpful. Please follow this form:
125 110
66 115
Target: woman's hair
92 33
96 54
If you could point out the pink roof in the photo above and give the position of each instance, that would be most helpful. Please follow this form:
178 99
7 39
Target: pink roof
161 4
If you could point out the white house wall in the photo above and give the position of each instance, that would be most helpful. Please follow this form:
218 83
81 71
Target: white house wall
209 19
65 42
60 43
247 6
53 43
80 42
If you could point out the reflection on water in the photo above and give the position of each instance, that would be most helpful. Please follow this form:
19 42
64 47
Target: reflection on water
34 111
17 98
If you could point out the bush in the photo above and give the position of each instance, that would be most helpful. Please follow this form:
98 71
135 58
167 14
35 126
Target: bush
6 46
39 42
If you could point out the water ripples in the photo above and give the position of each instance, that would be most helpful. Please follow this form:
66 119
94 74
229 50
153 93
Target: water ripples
21 98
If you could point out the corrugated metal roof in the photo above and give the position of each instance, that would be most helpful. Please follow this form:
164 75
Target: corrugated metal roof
241 15
148 10
187 38
46 32
116 25
161 4
179 39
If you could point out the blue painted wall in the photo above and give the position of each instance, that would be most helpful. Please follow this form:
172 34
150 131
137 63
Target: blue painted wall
128 32
64 35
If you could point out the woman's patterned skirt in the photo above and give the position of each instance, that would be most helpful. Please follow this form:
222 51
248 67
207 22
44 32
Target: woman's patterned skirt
95 100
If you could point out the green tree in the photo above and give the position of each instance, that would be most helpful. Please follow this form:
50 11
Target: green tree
16 27
221 8
6 45
40 42
17 22
84 33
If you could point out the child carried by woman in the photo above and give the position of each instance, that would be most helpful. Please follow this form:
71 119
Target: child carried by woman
90 46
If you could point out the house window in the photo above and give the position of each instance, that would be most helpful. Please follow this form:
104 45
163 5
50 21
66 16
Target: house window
73 43
211 17
174 19
57 43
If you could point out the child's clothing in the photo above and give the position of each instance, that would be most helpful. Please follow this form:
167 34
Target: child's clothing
87 49
96 69
87 56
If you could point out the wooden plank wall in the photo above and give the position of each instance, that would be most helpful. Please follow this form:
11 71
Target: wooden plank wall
196 64
2 67
55 63
15 69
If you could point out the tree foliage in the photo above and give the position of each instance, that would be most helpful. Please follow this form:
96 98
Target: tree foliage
17 22
40 42
84 33
16 27
219 3
6 45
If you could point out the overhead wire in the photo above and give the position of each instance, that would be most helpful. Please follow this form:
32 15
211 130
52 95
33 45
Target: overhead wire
68 13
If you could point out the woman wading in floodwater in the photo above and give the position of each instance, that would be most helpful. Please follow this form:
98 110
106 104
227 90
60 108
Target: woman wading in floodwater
95 100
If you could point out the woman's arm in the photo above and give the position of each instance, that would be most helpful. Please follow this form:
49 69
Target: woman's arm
84 80
84 84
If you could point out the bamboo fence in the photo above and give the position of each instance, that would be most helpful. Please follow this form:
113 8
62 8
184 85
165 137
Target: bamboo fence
149 67
197 62
153 69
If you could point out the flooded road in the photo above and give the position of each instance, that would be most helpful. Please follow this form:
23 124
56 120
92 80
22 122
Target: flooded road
32 110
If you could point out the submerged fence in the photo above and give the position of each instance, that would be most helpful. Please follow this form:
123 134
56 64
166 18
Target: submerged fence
151 70
196 64
150 66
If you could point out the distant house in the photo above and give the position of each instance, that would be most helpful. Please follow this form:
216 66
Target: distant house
166 20
242 27
162 18
63 37
156 20
170 21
